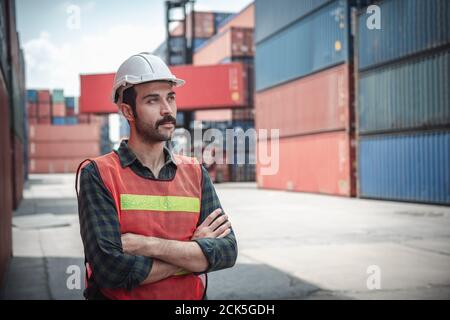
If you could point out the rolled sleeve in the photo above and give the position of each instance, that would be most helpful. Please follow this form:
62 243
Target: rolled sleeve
221 253
100 232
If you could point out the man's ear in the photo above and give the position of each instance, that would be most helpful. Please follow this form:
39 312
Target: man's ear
127 112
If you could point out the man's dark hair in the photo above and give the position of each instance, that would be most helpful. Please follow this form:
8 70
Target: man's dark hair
129 97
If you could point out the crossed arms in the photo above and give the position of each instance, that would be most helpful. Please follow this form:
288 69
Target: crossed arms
172 256
126 261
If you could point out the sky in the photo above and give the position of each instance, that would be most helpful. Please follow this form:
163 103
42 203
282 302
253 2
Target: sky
62 39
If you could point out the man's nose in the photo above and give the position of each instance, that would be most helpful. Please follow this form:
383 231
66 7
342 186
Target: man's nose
166 108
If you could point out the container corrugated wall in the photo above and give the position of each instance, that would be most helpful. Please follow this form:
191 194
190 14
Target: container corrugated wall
55 165
317 103
410 95
234 42
403 102
408 27
271 16
4 66
51 150
316 42
409 167
5 180
319 163
48 133
227 91
57 149
18 170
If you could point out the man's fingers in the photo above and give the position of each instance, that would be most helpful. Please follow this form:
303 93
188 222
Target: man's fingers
211 217
222 229
225 233
220 220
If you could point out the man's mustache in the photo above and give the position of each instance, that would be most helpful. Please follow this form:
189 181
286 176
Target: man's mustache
166 119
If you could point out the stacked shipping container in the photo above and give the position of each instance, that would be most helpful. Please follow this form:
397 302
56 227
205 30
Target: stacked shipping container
65 138
232 43
59 149
58 104
403 102
12 126
6 179
17 91
304 88
206 25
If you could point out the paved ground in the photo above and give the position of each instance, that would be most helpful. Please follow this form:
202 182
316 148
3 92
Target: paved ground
291 246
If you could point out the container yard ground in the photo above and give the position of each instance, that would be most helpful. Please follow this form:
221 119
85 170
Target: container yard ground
291 245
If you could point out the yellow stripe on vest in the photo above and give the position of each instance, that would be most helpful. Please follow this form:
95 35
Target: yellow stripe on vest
159 203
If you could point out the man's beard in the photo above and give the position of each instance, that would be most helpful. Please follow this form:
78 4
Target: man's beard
150 134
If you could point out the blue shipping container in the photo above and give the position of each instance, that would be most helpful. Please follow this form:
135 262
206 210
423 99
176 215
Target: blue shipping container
409 167
414 94
32 96
221 18
314 43
71 120
70 102
59 121
198 43
271 16
177 44
407 27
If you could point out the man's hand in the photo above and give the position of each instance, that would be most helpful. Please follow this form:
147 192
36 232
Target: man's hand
213 227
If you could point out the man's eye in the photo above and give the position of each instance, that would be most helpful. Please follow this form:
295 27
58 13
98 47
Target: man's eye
171 98
152 100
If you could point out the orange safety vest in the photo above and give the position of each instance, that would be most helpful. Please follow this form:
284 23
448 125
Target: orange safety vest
157 208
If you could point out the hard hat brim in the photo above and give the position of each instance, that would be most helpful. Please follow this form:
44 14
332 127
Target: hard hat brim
128 82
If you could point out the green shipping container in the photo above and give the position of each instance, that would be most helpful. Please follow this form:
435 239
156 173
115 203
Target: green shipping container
58 96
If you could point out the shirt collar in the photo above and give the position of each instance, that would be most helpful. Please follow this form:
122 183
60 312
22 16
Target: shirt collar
128 157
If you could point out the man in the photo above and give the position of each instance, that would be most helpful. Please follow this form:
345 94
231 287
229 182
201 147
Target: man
151 222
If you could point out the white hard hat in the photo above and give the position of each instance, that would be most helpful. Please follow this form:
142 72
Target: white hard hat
140 68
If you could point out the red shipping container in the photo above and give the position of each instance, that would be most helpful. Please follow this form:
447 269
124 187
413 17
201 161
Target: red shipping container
18 171
59 110
84 118
95 93
44 121
312 104
204 25
214 115
52 150
5 179
243 114
54 165
44 110
232 43
32 110
318 163
72 133
70 112
207 87
44 96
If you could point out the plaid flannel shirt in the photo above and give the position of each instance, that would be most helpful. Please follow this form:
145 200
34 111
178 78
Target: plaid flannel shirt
100 229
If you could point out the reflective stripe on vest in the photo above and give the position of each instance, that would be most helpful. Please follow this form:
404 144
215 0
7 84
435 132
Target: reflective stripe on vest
157 208
159 203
